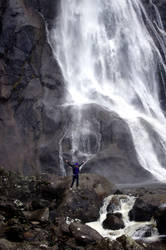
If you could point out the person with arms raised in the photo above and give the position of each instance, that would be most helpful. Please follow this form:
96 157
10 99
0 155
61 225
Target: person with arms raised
76 170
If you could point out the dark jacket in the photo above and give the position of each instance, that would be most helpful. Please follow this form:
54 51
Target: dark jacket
75 167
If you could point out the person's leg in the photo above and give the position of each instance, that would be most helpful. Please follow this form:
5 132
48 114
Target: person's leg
73 181
77 180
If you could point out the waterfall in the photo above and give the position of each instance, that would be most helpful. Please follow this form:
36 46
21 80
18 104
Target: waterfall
108 57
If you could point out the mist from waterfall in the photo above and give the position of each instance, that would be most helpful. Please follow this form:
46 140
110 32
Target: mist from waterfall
108 57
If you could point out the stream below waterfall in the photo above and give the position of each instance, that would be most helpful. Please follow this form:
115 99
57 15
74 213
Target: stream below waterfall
145 231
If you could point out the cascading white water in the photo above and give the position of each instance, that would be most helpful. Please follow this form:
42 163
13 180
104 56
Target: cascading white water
133 229
108 57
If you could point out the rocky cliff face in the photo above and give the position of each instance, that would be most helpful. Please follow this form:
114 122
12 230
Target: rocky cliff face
28 73
32 89
156 12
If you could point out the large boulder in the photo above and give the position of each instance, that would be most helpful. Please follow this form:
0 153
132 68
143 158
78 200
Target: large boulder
81 204
84 203
41 215
141 211
146 231
113 221
84 234
54 192
150 204
160 218
104 140
114 204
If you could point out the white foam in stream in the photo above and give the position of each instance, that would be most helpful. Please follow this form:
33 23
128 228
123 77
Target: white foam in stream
131 227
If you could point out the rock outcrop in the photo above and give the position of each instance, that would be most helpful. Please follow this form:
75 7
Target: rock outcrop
32 214
141 211
151 203
113 205
109 142
160 217
113 221
28 72
83 203
84 233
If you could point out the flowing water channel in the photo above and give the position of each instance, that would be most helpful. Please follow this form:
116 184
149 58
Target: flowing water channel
136 230
108 57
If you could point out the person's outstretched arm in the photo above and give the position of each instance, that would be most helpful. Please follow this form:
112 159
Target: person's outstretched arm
68 163
80 165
